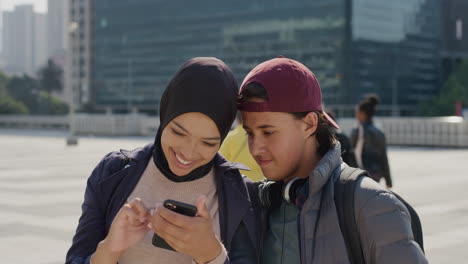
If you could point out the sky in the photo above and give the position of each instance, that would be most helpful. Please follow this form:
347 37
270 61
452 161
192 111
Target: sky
39 5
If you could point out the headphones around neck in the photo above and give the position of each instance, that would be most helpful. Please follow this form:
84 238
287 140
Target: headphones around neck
272 193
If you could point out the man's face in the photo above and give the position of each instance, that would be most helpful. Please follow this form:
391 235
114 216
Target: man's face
277 143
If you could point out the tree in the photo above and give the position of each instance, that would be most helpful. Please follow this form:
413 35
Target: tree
10 106
49 105
3 82
23 89
50 78
454 90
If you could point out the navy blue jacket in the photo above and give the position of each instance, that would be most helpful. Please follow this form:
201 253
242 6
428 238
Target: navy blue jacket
117 174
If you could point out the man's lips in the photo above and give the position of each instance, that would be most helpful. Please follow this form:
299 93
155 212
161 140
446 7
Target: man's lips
263 162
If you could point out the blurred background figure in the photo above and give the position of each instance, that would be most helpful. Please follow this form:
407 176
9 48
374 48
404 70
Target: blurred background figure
236 148
368 142
346 151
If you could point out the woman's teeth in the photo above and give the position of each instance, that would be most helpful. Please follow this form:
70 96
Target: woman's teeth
182 161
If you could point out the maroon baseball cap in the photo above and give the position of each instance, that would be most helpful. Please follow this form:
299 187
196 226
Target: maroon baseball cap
291 87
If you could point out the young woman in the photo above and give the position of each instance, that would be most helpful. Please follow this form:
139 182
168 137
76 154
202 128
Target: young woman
368 142
122 207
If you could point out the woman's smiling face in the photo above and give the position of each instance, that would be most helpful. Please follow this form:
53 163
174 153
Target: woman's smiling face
189 141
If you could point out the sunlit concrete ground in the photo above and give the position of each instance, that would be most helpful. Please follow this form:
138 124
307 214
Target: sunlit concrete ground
42 183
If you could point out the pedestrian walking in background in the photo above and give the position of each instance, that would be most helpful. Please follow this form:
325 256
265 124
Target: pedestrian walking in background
368 142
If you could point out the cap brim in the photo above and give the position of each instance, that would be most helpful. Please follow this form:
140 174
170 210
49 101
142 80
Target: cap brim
331 120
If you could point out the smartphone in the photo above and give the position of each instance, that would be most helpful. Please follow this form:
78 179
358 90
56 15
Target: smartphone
178 207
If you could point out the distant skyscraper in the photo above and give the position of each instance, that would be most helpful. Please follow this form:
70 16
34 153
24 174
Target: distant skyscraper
40 40
23 40
454 35
57 29
1 37
78 69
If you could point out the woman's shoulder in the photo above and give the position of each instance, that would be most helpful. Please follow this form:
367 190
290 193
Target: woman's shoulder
375 131
115 161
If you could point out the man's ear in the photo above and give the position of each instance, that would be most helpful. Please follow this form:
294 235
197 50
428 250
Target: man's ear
311 120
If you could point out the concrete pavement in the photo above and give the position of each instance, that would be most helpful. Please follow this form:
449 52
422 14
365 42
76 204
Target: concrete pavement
42 184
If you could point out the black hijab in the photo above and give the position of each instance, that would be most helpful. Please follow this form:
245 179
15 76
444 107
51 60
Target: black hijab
204 85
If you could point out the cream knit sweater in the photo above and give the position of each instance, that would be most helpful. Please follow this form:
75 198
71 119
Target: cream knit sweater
154 188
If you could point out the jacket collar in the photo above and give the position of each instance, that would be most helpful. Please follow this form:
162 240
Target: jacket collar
139 153
325 168
235 204
228 165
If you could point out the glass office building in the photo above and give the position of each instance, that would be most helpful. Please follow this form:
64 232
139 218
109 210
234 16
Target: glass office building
395 52
454 35
353 46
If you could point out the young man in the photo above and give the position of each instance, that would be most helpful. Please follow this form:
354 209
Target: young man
291 138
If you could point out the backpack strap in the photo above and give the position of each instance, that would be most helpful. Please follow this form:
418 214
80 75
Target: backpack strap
344 201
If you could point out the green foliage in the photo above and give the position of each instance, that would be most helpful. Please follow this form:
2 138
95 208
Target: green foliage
24 89
49 105
454 90
9 106
22 95
50 77
3 82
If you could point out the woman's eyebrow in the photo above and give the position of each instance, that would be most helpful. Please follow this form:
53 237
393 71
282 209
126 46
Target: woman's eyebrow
212 138
181 127
186 131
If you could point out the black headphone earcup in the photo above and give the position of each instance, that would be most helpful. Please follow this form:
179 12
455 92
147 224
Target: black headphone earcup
293 190
269 193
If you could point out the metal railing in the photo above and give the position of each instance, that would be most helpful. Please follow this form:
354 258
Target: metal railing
415 131
32 122
418 131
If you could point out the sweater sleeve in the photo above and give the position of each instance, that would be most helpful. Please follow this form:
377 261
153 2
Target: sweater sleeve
384 226
220 259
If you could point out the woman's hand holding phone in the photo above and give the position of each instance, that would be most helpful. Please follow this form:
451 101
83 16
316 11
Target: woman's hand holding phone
193 236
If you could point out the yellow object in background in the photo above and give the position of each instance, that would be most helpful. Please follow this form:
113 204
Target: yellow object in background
235 148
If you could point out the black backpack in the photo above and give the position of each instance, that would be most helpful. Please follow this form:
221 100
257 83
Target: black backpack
344 202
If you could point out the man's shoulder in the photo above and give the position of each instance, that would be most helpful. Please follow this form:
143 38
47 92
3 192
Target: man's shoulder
372 199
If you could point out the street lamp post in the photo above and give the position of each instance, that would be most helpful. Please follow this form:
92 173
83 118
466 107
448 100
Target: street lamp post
395 75
129 84
71 138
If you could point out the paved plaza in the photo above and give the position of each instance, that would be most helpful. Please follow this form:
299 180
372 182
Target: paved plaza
42 183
